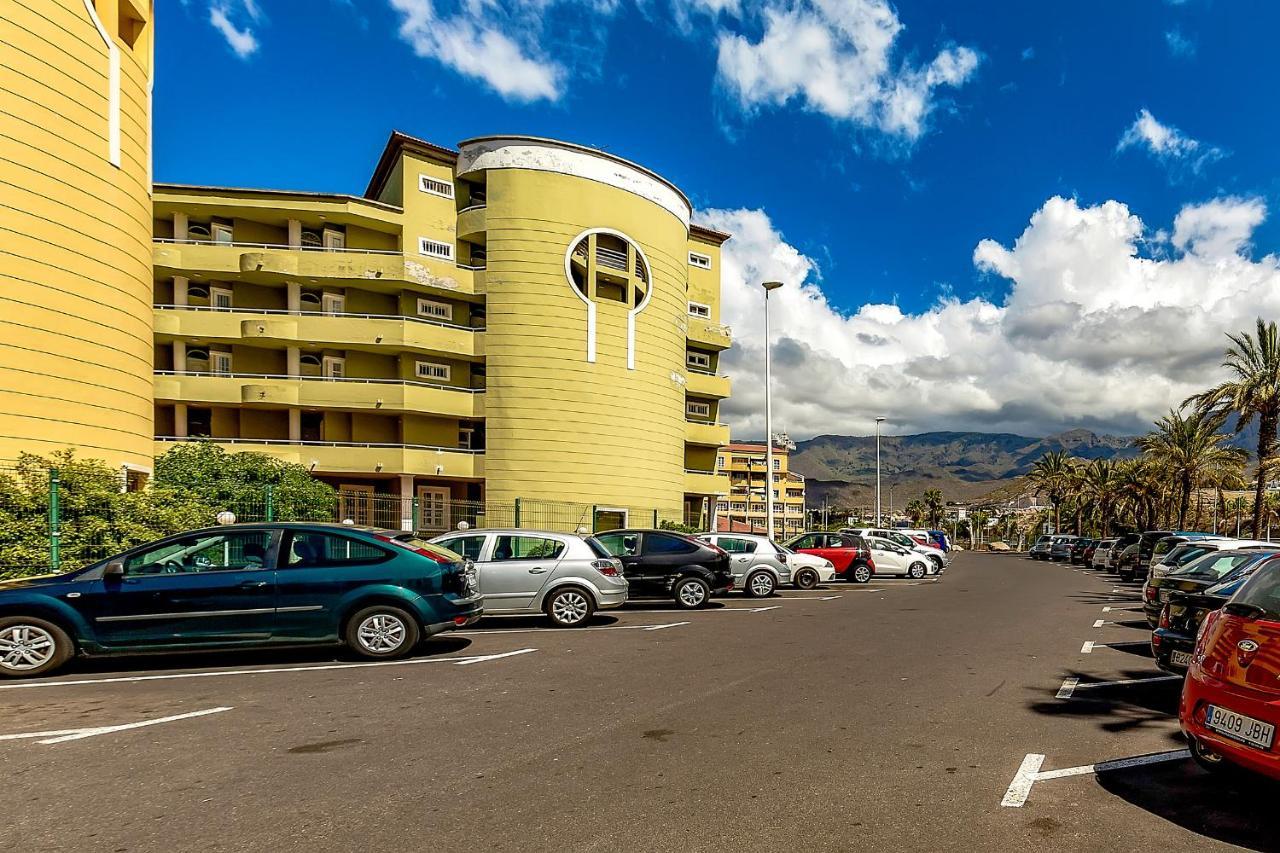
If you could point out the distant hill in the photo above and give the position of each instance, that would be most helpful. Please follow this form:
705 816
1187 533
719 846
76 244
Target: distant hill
964 465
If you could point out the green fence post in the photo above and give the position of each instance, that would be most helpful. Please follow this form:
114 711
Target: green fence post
271 504
517 512
413 523
55 520
655 519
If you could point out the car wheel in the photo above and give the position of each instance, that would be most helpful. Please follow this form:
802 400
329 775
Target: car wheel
760 585
806 579
916 571
691 593
569 607
937 563
381 632
1208 759
30 646
861 574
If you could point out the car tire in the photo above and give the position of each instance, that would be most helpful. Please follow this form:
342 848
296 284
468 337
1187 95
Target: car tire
859 574
691 593
806 579
1208 760
759 585
381 632
916 571
937 563
569 607
31 647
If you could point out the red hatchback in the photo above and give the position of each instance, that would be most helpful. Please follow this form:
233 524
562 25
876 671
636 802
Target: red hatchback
1230 706
848 553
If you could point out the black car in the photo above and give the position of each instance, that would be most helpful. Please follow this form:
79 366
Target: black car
1128 563
1078 548
1208 570
1174 640
667 564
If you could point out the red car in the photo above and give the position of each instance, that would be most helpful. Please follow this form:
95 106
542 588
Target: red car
1230 707
848 553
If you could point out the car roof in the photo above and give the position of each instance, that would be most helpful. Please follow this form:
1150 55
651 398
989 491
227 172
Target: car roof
510 531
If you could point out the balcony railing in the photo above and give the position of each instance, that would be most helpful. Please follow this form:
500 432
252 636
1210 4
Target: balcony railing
284 442
356 379
611 258
286 313
284 246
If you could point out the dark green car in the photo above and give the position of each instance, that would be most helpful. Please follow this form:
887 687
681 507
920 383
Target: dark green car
377 591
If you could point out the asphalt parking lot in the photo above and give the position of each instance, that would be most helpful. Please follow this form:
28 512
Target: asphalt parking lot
962 713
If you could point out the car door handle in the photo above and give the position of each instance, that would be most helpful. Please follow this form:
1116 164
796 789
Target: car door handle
537 571
253 584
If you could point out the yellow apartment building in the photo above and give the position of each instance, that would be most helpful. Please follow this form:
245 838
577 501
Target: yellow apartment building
514 318
75 230
744 509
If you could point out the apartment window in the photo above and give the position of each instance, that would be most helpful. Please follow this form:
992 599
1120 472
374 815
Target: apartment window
435 310
309 297
196 231
219 297
332 238
719 461
699 260
220 362
333 303
221 232
739 507
699 360
777 465
312 240
335 367
312 424
697 309
697 410
431 370
435 249
310 364
199 422
196 291
722 506
428 184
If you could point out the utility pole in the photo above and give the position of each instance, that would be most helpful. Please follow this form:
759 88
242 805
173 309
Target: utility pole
879 521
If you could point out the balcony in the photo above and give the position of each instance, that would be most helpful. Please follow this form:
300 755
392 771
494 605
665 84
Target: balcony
472 222
272 263
347 331
706 434
315 392
341 457
713 336
705 482
703 383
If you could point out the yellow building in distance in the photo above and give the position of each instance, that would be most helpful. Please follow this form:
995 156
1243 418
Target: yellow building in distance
744 509
516 318
75 230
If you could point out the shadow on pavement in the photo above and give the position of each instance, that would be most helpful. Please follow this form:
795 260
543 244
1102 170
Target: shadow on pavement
498 623
1118 707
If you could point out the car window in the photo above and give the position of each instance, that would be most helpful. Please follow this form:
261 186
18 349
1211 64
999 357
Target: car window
734 545
468 546
805 541
526 548
307 549
620 544
664 543
596 548
209 552
1263 592
1215 566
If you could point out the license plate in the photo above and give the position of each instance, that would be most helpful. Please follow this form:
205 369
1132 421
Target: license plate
1180 658
1247 730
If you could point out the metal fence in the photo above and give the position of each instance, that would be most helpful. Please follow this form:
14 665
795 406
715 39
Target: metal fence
52 520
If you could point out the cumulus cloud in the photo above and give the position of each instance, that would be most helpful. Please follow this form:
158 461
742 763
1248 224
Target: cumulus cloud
836 57
1093 330
240 39
1167 144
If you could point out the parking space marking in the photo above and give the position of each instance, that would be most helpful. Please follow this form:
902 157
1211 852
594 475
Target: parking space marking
562 632
1087 648
1068 687
1029 773
1099 623
1071 685
65 735
669 625
707 610
170 676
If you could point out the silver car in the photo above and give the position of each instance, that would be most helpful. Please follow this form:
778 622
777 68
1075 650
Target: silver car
759 566
566 576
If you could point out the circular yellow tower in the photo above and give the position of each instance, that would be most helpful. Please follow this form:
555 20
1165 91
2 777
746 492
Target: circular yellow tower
75 259
585 332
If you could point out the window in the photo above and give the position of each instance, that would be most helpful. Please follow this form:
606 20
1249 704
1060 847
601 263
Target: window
435 248
333 303
435 310
219 297
196 291
196 231
221 232
722 506
739 507
699 260
431 370
428 184
734 545
242 550
699 360
665 543
309 359
220 362
467 546
809 541
326 549
697 410
620 544
526 548
777 465
332 238
199 422
697 309
1261 592
719 461
312 240
466 437
335 367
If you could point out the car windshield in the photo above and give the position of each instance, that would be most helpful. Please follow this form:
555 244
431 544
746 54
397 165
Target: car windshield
1184 554
1260 596
1215 566
1164 546
413 543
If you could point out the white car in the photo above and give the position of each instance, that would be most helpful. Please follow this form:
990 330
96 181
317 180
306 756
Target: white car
938 558
1102 554
891 558
809 570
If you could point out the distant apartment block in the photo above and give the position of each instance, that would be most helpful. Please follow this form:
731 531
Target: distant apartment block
751 485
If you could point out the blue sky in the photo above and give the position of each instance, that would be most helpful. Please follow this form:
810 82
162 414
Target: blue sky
1015 103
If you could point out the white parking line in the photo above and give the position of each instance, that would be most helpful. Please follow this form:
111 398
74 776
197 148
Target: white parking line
1099 623
706 610
1068 687
79 734
563 632
1029 773
1087 648
1071 685
669 625
133 679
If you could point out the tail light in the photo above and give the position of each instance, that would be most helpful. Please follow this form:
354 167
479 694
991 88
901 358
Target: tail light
430 554
609 568
1149 593
1164 616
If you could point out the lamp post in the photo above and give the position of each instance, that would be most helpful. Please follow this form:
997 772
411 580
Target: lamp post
768 415
878 516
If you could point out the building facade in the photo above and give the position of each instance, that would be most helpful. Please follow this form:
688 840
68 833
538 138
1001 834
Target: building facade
745 510
75 250
518 318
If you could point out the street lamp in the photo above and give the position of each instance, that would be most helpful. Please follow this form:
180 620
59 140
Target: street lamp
879 421
768 415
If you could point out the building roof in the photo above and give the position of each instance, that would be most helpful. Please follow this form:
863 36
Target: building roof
709 235
755 448
398 143
202 189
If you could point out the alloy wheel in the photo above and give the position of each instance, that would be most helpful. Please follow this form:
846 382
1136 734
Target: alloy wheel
25 647
381 633
761 584
861 574
692 594
569 607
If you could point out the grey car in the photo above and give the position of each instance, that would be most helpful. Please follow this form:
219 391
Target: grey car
1060 550
759 566
563 575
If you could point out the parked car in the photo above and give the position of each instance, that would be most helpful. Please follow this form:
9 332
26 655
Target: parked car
1230 704
759 565
809 570
940 539
1174 638
1101 558
1040 550
891 558
849 553
666 564
1126 562
1164 546
562 575
1078 548
1060 549
1209 569
1190 550
938 558
378 591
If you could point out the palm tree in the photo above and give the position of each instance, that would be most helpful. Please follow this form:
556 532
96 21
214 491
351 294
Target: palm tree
1137 491
1253 391
1051 475
1102 487
935 507
916 510
1187 448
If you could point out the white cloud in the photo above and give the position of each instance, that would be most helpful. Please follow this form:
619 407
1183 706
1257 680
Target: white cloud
1091 332
241 40
1178 44
836 57
1168 144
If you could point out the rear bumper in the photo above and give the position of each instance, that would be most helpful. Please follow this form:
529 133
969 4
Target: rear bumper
609 599
1200 690
1164 642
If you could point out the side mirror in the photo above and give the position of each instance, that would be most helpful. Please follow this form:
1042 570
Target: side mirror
114 570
